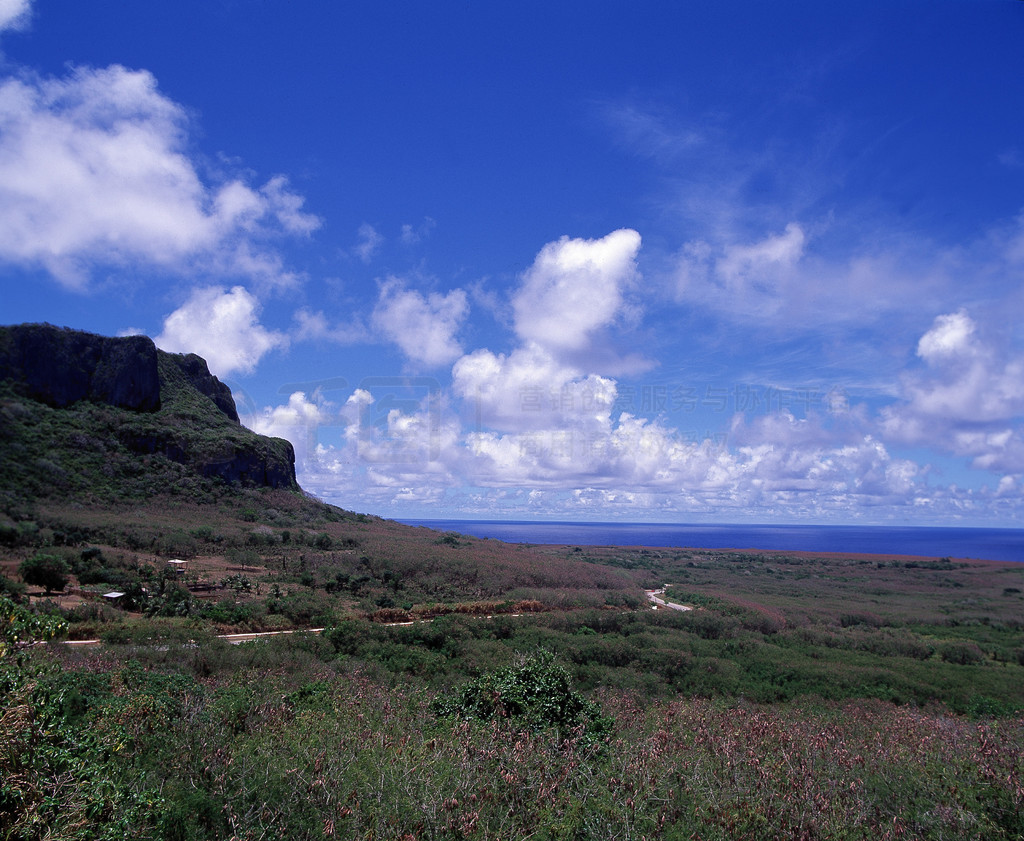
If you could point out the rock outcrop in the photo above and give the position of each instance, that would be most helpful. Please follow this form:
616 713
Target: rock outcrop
59 367
195 369
170 406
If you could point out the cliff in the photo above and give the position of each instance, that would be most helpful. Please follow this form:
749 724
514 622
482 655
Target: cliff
117 417
59 367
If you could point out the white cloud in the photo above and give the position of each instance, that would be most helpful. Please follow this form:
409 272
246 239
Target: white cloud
424 327
969 401
950 335
313 325
968 380
743 266
14 13
412 235
752 280
94 171
298 421
537 420
650 134
782 456
574 288
223 327
529 389
369 243
391 457
286 207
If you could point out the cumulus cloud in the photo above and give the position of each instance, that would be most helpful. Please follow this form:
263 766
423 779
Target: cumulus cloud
538 418
743 266
950 336
967 379
413 235
969 399
298 421
326 437
223 327
372 449
94 171
529 389
395 455
424 327
573 288
748 279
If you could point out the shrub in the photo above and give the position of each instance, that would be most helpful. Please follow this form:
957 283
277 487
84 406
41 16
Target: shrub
242 557
9 534
849 620
262 536
205 534
177 544
20 627
10 587
962 653
537 692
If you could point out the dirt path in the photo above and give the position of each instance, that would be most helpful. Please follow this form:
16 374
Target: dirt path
237 639
233 639
652 597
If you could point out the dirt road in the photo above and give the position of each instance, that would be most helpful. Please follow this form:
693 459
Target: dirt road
652 597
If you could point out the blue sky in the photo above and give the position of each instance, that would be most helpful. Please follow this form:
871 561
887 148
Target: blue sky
681 262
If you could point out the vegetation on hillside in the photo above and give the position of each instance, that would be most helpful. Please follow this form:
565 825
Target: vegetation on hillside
98 454
197 739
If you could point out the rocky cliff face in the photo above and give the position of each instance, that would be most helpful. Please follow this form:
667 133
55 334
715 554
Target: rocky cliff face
59 367
169 405
198 374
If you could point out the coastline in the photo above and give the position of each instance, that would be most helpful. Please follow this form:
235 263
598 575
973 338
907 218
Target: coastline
904 542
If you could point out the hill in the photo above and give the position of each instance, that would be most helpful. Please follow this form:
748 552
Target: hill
111 420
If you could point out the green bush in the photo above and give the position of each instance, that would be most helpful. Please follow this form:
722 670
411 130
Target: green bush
962 653
536 692
10 587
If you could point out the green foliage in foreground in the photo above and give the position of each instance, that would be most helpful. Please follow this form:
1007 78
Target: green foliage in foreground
20 627
704 653
94 747
536 692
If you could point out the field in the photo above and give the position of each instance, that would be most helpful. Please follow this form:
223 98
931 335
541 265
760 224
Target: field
466 688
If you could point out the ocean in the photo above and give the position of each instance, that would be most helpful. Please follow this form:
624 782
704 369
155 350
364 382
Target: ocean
947 541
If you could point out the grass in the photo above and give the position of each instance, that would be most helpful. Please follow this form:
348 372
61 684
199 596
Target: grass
323 749
838 704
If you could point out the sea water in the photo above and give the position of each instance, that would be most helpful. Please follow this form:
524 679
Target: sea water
939 542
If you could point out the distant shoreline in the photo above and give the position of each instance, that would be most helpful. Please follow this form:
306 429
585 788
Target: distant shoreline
967 543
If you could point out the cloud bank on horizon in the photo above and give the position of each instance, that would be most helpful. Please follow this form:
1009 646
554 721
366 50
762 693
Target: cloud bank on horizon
660 272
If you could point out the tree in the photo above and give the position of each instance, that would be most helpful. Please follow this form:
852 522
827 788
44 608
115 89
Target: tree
47 571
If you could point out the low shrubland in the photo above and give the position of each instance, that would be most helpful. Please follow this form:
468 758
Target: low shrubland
300 743
466 688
